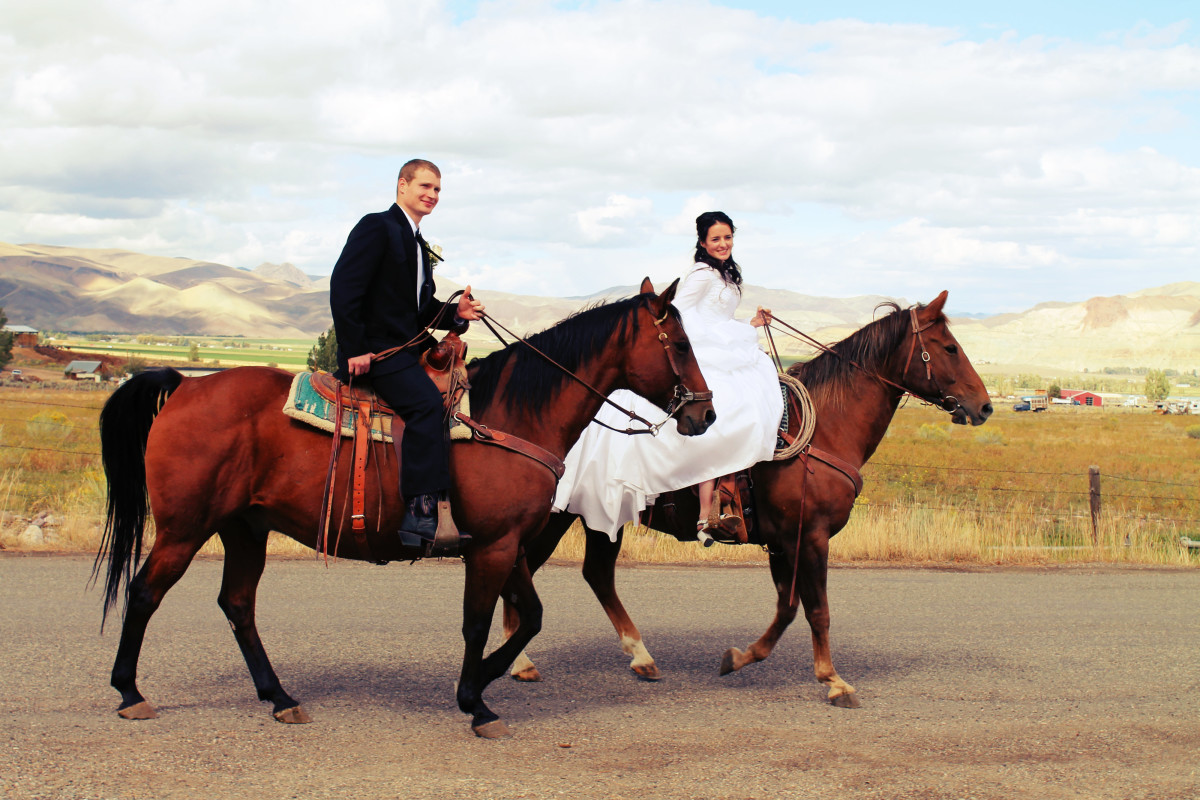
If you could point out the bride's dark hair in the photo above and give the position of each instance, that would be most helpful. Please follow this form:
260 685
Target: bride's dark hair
730 272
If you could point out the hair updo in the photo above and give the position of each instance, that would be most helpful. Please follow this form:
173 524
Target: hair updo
730 272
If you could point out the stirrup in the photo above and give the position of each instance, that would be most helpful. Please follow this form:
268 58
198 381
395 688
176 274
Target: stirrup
447 539
703 536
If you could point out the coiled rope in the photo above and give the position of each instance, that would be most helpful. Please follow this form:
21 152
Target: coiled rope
808 417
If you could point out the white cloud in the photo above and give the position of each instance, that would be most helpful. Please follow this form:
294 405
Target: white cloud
580 143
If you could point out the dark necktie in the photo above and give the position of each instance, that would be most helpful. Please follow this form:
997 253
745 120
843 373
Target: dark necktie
426 292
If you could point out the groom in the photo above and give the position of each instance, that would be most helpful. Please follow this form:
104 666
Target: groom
381 296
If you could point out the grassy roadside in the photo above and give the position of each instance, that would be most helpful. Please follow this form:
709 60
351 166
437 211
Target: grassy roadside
1012 492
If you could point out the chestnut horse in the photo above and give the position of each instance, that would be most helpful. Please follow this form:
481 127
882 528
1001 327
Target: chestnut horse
220 457
856 388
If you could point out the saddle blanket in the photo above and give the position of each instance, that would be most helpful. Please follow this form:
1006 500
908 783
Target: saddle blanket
306 405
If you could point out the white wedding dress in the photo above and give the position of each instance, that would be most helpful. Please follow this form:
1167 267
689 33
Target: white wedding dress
611 477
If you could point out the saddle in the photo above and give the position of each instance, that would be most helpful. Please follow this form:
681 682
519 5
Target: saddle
323 401
444 363
359 412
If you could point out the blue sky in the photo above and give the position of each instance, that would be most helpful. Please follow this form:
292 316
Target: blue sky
1012 153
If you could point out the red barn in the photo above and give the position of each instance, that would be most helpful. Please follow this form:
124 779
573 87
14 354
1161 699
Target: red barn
1082 397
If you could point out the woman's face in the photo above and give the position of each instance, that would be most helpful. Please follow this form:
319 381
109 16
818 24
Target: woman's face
718 242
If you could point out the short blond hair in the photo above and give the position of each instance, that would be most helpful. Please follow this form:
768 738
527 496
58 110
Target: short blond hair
409 170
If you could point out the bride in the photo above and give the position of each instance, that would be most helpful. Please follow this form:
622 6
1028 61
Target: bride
611 477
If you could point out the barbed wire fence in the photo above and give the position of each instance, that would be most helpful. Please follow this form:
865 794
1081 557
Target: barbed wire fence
1074 494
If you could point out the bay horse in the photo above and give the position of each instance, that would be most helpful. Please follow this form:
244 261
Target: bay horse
220 457
856 387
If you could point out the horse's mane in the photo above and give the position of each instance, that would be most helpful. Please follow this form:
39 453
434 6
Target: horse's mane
571 342
829 376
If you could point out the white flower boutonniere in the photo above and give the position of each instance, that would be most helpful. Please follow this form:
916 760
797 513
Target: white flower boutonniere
433 252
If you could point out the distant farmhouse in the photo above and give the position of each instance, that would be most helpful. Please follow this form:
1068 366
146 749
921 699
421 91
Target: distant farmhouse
23 335
84 370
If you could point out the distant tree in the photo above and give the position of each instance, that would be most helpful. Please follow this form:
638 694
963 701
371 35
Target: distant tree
1054 391
6 340
136 365
194 352
324 355
1157 385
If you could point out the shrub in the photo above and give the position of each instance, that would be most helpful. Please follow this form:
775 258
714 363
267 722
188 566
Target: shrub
934 432
989 437
1194 432
48 425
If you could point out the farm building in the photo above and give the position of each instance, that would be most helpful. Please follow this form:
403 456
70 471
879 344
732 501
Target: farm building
1084 398
23 335
83 370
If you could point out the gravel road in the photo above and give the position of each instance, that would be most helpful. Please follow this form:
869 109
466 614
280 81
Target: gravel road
997 684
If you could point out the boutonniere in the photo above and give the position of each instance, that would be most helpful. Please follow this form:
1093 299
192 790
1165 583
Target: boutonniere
433 252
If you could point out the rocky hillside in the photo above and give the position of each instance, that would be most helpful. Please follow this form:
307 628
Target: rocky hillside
73 289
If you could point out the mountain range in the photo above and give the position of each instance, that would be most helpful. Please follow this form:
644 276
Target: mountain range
75 289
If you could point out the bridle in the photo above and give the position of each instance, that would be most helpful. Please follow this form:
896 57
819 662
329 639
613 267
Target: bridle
947 402
680 398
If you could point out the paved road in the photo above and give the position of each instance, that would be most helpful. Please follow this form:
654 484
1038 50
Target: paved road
1002 684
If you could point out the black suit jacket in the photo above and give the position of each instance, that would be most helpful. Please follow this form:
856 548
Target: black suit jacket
373 294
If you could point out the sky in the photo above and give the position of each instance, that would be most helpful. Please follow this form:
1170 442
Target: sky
1012 153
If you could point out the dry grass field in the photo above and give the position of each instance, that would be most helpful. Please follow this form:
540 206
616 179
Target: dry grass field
1012 491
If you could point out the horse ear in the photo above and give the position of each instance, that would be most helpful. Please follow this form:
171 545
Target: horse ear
647 286
660 304
935 308
669 295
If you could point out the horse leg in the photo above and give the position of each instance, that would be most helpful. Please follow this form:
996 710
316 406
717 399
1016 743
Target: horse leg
488 570
518 590
810 586
537 551
814 570
168 560
785 611
599 570
245 557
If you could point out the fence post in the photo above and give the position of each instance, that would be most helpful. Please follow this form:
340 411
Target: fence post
1094 501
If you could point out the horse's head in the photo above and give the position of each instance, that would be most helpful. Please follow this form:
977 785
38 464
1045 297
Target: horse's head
938 371
661 366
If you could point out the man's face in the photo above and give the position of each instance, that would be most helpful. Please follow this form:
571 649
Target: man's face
419 195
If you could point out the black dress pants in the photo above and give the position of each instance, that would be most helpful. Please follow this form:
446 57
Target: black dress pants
425 448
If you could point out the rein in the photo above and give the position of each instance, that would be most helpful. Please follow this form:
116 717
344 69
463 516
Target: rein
681 398
948 403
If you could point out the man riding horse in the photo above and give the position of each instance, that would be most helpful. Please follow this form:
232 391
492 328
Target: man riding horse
381 293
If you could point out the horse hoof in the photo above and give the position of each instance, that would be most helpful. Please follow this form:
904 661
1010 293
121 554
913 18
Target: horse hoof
527 675
647 672
496 729
727 661
845 701
293 716
142 710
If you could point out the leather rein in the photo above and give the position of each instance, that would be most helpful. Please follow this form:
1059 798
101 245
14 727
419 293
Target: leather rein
947 402
480 432
682 395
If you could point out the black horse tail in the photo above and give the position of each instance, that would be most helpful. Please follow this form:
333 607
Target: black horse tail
124 428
